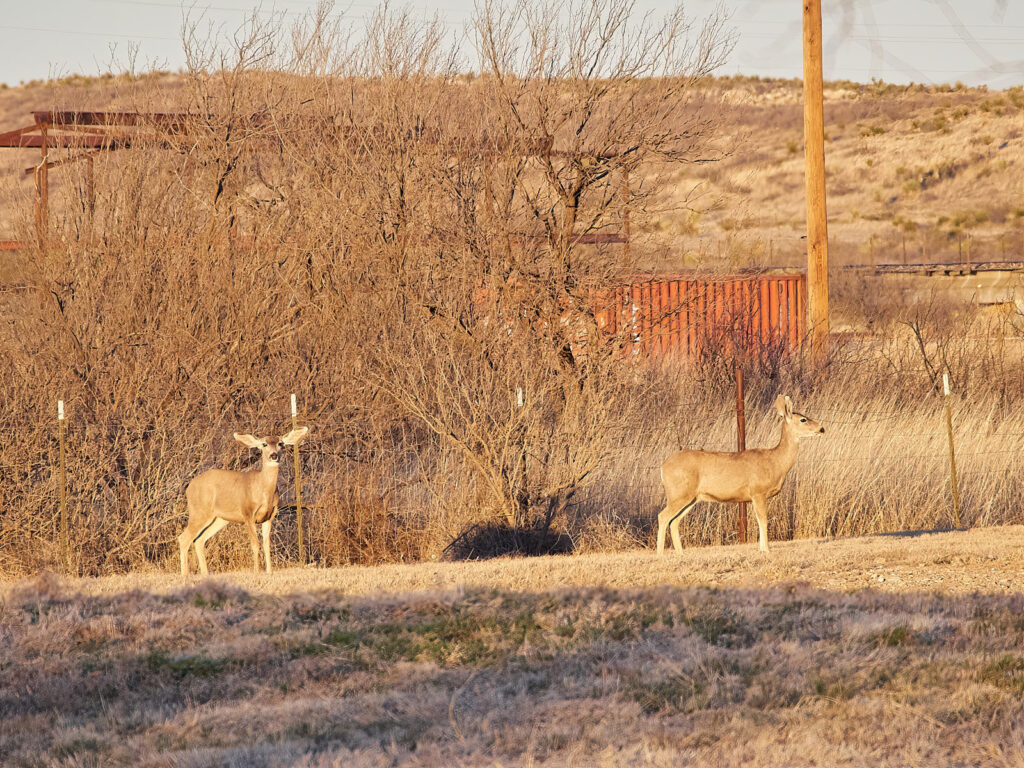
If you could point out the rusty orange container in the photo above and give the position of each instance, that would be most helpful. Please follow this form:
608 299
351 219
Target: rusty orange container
683 314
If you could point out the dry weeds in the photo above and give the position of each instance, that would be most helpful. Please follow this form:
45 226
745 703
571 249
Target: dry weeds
718 656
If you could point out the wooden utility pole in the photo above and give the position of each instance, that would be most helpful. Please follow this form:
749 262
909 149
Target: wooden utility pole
814 158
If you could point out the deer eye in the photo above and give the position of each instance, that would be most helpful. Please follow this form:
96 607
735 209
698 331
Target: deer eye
803 420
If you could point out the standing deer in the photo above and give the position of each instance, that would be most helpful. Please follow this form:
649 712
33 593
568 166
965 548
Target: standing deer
754 475
221 496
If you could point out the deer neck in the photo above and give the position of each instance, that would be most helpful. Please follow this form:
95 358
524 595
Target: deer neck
266 478
785 451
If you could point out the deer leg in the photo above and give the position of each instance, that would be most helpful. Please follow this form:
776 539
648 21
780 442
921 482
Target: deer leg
674 525
265 529
254 544
672 511
761 510
185 539
204 537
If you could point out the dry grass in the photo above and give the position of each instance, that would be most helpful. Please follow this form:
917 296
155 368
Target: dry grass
719 656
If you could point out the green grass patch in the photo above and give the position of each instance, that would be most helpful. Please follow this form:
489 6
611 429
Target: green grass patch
1007 672
191 665
893 636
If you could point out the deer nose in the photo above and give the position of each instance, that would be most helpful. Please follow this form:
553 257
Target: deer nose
273 456
821 431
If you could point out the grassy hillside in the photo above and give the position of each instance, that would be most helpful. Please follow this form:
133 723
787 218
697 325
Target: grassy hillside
893 650
922 165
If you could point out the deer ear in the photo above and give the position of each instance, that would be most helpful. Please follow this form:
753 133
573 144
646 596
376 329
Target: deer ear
789 407
247 440
780 405
295 436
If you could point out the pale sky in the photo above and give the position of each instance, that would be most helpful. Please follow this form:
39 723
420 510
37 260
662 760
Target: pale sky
925 41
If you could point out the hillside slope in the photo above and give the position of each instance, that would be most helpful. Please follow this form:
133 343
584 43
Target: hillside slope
910 169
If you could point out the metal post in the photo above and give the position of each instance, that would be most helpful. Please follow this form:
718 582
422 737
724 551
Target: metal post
968 254
90 186
522 501
741 445
65 556
952 451
625 213
814 159
298 485
42 191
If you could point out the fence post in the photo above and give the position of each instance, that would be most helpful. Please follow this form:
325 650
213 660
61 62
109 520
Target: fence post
523 501
65 556
741 445
952 452
298 485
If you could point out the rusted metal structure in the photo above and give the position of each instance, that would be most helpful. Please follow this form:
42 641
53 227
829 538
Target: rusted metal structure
86 133
689 314
83 134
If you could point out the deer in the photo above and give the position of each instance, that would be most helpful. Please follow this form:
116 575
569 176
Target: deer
753 475
221 496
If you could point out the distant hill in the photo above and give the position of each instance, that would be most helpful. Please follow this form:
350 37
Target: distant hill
924 166
911 168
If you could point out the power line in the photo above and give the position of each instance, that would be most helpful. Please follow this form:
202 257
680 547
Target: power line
52 30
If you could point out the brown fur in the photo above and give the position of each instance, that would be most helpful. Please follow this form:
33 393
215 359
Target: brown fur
753 475
220 496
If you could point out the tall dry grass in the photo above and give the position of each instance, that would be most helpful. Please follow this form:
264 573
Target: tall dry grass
365 225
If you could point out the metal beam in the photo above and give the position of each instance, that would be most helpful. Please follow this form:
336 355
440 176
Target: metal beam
8 137
62 161
70 118
63 141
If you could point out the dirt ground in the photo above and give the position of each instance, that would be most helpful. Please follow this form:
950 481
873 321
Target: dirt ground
984 560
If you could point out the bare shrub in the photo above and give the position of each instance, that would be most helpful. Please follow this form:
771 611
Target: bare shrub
362 224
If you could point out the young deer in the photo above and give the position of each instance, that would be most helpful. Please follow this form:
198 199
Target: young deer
752 475
221 496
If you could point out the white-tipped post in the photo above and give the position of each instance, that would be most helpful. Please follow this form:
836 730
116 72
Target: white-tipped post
952 450
65 550
298 484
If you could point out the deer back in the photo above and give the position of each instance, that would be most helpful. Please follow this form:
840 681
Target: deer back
233 496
